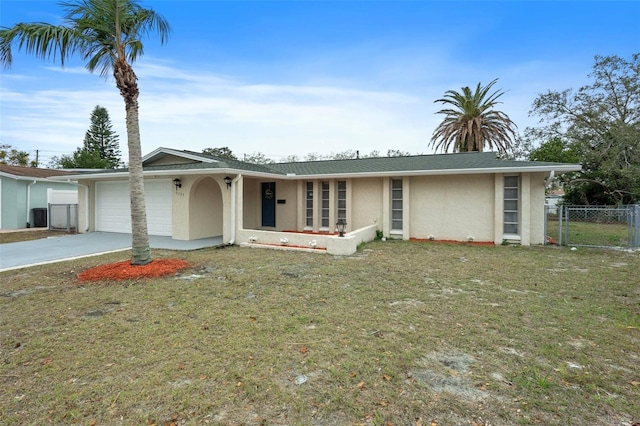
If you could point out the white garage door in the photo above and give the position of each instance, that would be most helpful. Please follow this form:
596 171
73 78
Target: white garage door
113 213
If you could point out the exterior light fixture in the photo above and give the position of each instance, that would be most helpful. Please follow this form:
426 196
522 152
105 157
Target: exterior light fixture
341 225
178 183
227 180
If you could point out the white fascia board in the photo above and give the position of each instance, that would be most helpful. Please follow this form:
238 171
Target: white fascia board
154 153
224 171
91 176
185 172
492 170
170 173
31 179
10 176
169 151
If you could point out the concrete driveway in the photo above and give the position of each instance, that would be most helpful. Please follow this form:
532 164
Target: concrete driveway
56 249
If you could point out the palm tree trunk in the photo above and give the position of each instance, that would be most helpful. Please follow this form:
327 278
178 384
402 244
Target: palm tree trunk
140 252
126 82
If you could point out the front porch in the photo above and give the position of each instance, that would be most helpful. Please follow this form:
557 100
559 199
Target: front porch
304 241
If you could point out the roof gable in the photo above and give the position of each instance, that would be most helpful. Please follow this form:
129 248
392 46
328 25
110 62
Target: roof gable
166 158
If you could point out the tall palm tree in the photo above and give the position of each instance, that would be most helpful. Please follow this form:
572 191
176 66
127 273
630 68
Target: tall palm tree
470 122
107 34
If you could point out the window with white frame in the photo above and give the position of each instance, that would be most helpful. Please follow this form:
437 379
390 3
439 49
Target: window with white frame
396 205
342 199
309 205
324 209
511 201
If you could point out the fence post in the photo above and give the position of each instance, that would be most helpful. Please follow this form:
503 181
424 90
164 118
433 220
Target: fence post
636 225
68 218
546 224
560 215
567 211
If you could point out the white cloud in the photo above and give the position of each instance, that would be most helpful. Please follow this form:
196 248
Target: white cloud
199 110
196 109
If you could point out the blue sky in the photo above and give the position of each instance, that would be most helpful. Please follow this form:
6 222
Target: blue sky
298 77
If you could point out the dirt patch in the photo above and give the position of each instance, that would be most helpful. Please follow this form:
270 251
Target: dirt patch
448 372
408 302
28 235
126 271
470 242
23 291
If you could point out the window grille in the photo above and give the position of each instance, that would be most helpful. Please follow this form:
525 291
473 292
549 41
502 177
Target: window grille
325 204
511 201
309 207
342 199
396 204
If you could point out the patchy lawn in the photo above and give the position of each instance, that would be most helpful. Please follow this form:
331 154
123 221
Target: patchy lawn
401 333
31 234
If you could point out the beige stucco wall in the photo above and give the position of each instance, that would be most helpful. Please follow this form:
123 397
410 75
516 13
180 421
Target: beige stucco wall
287 213
86 221
251 203
180 209
201 208
447 207
205 210
531 209
366 202
452 207
537 188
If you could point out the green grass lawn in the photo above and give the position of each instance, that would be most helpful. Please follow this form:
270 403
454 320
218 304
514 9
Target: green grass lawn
31 234
400 333
592 234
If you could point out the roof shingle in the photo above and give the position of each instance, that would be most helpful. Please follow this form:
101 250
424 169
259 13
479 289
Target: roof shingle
33 172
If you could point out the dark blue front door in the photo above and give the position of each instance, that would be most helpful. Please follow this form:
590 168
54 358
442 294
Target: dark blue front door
269 204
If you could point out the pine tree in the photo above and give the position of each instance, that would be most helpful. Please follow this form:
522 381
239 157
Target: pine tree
82 159
102 138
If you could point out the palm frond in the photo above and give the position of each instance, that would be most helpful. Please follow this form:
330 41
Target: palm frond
45 41
471 123
99 31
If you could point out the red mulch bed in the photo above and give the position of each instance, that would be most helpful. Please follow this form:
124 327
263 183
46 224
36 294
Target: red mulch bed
126 271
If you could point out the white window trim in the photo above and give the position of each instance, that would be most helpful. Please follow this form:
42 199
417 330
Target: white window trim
393 231
322 209
510 236
338 199
306 199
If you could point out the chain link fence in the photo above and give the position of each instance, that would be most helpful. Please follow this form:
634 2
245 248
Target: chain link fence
593 226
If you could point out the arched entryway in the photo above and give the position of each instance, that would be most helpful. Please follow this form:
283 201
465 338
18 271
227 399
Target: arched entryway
205 209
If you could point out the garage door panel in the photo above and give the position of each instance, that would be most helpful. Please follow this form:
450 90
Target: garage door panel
113 212
112 207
